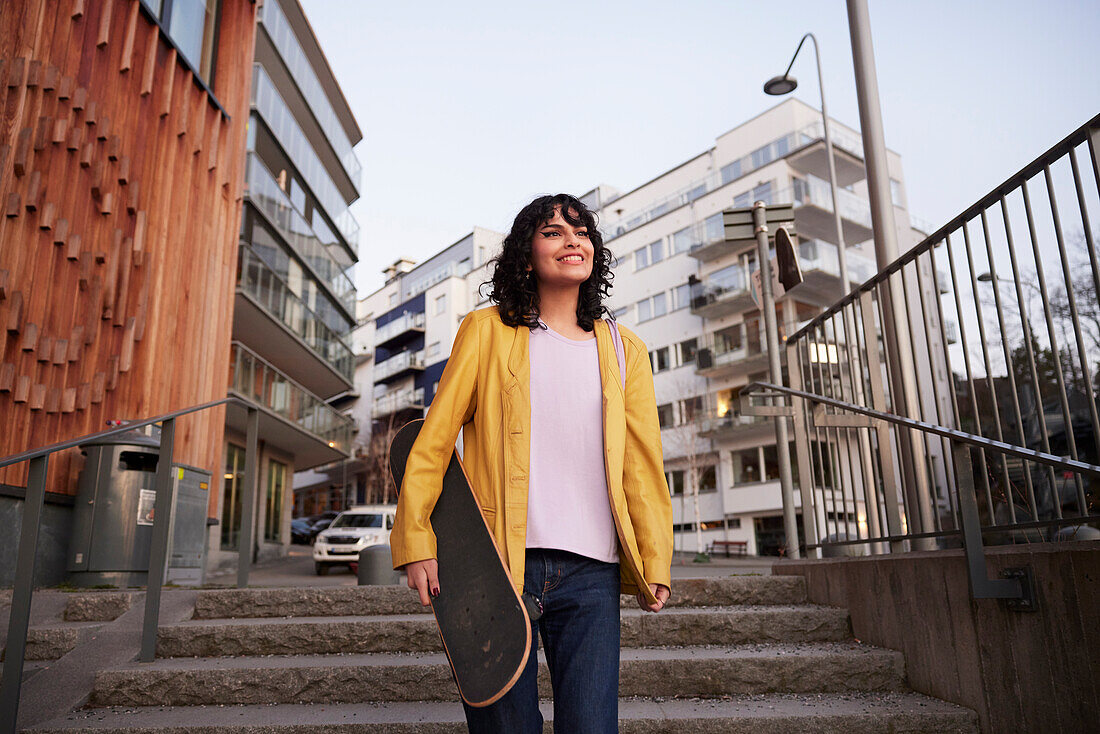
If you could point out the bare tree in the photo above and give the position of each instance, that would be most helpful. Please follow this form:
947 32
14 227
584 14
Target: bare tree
684 446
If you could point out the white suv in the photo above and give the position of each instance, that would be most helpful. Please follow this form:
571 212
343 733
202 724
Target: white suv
352 531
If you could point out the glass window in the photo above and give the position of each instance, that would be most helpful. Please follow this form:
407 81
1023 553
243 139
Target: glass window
681 296
728 339
276 496
763 192
801 189
687 350
731 171
761 156
708 479
641 258
681 241
771 463
645 310
733 523
676 481
696 192
742 200
746 466
191 26
620 312
656 251
433 349
664 415
357 520
232 491
782 146
659 210
440 304
895 193
660 359
660 305
692 407
715 228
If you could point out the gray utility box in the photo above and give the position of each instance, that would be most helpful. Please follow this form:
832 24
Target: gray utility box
113 515
187 552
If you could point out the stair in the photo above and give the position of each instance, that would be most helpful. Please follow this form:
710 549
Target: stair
737 654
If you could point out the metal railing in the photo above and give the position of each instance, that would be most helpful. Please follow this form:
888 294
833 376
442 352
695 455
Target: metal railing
397 401
1003 444
38 459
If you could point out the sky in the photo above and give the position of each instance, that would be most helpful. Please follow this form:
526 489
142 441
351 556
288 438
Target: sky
470 110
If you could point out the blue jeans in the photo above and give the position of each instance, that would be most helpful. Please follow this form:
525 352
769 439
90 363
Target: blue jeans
580 631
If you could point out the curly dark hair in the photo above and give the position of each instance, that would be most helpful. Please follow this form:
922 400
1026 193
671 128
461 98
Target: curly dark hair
514 288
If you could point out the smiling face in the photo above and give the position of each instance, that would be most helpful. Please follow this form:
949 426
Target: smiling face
561 253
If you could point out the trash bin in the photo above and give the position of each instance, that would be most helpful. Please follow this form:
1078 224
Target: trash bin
113 515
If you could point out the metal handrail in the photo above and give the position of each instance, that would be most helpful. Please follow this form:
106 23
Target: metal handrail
19 616
1031 169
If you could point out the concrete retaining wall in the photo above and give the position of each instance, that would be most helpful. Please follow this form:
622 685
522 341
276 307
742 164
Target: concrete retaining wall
1021 671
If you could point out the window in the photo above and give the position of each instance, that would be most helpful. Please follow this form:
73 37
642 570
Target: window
728 339
801 189
691 408
660 304
762 156
681 296
681 241
895 193
645 310
440 304
688 349
433 349
746 466
659 358
771 463
620 312
659 209
656 251
731 172
276 495
641 258
696 192
664 415
763 192
191 24
715 227
733 523
676 481
231 497
742 200
708 479
393 299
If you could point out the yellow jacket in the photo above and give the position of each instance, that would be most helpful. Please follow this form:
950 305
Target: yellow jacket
485 391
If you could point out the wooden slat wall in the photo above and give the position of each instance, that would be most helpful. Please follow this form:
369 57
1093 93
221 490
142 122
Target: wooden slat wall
120 193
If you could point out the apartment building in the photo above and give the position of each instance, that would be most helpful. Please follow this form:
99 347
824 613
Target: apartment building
295 302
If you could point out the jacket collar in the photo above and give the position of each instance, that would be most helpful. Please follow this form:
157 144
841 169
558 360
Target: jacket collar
520 366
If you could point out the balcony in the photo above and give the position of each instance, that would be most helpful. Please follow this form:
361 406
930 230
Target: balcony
399 330
399 366
271 318
264 192
395 402
734 351
820 263
721 293
847 155
291 417
733 425
813 211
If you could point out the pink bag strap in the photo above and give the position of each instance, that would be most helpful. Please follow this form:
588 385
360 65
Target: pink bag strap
617 340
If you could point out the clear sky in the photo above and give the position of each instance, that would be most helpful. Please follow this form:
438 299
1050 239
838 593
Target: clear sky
469 110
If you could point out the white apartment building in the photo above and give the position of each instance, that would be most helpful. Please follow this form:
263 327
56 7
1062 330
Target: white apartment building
684 291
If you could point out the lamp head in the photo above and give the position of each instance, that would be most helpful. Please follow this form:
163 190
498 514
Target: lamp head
780 85
986 277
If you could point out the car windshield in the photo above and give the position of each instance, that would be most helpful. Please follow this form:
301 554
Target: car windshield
357 520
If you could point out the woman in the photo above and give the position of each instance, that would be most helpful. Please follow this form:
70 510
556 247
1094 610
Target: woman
564 456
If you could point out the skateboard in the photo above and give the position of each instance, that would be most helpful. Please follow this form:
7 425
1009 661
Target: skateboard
483 622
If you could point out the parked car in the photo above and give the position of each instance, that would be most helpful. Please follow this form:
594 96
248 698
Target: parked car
352 531
299 530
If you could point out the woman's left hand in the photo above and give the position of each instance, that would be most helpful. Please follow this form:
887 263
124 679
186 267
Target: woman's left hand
661 592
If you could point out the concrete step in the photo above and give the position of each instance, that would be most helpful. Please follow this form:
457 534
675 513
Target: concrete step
419 633
859 713
57 639
321 679
347 601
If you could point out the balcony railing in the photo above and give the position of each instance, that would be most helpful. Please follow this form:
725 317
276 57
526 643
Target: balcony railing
408 322
723 286
270 104
397 401
278 28
254 379
729 422
816 255
397 364
273 201
258 280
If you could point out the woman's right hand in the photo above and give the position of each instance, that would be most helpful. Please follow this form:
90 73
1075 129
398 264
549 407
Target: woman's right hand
424 577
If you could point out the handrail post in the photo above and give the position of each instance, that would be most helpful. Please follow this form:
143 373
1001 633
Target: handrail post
158 551
19 617
248 511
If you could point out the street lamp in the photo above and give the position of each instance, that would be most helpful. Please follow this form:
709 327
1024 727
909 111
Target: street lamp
785 84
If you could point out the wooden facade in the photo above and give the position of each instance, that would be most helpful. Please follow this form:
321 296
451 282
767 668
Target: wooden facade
120 185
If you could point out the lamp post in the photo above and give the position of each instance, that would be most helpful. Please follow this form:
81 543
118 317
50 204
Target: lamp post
785 84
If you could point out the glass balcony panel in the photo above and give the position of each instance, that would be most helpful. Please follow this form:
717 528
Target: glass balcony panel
256 279
264 191
398 326
278 393
278 28
267 100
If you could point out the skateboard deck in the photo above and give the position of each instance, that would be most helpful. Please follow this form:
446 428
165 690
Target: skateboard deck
484 625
